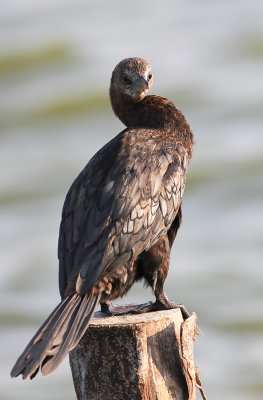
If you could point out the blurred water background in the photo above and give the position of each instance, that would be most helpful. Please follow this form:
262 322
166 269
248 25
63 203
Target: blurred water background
56 58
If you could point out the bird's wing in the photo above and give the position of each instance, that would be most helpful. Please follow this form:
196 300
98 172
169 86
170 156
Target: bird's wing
122 202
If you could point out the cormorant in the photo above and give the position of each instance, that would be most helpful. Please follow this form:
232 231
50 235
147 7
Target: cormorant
120 217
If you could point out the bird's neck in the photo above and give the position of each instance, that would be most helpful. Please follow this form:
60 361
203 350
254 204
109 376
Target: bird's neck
154 112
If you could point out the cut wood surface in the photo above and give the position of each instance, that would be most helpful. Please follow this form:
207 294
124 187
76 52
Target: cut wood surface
147 356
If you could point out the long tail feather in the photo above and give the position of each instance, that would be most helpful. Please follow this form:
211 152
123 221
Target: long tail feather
60 333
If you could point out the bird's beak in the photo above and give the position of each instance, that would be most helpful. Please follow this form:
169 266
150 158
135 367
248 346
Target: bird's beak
142 85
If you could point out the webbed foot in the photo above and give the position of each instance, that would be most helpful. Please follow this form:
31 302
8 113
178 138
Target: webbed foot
161 304
110 310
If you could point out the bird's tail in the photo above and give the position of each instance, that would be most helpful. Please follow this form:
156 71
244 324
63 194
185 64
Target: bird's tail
59 334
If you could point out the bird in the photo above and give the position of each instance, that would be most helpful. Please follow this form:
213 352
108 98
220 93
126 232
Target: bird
120 217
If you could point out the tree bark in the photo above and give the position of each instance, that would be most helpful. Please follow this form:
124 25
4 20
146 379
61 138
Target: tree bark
147 356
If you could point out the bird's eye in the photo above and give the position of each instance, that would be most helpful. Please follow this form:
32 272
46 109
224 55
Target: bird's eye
127 80
149 77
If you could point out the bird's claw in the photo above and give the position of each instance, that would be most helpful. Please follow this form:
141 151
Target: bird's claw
161 305
158 305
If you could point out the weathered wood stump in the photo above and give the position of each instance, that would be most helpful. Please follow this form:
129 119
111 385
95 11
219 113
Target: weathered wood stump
147 356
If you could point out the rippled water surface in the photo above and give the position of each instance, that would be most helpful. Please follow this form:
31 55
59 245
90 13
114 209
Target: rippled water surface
56 58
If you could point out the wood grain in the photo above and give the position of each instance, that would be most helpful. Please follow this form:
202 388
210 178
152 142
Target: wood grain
147 356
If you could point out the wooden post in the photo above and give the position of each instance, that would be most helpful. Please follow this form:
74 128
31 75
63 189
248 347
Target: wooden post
147 356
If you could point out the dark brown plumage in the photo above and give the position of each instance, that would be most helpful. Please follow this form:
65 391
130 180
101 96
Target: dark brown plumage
120 216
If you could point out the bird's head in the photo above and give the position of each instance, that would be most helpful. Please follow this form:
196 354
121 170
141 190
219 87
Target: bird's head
132 78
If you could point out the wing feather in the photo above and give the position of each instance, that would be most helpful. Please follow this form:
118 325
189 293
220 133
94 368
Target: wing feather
124 200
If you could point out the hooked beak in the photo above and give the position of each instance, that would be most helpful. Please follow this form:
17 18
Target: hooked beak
142 85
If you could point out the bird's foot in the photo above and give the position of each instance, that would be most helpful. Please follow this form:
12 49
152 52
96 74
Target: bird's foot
158 305
110 310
